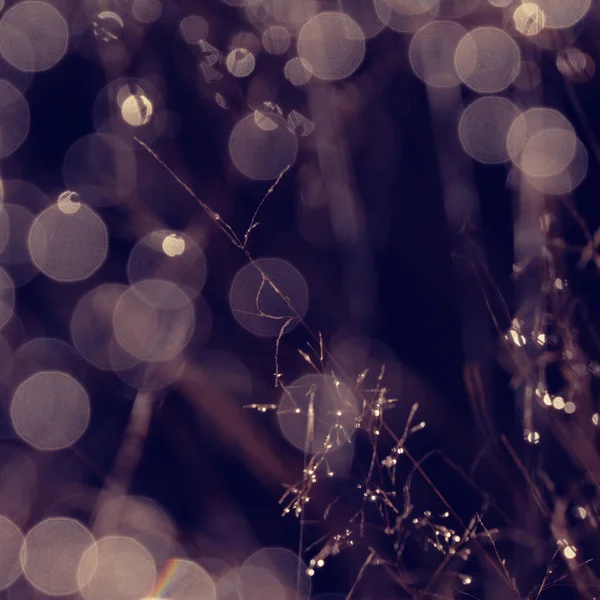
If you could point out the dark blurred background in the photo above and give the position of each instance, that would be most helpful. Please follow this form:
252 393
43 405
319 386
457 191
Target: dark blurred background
404 288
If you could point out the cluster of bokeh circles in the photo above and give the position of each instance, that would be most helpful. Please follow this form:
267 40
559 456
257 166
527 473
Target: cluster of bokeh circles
134 555
126 547
141 328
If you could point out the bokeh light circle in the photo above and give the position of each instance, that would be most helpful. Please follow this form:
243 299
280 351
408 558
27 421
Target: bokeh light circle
137 109
532 122
33 36
487 60
193 28
116 567
51 555
101 168
146 11
169 255
548 152
258 307
276 39
432 51
262 152
107 26
567 180
483 128
529 19
50 410
333 44
575 65
153 320
297 71
240 62
68 243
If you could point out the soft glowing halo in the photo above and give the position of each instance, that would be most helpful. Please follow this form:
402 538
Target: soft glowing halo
333 44
50 410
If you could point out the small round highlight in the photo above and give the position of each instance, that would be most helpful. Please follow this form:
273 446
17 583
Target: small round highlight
50 410
11 542
274 573
300 124
317 413
483 127
14 119
51 554
68 246
529 19
262 115
137 109
173 245
101 168
116 567
260 152
172 256
297 71
487 60
562 14
240 62
193 29
135 103
276 39
258 294
333 44
183 579
527 126
153 320
575 65
107 26
68 202
33 36
432 51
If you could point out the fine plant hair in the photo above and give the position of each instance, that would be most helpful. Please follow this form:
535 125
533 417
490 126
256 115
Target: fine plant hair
387 522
